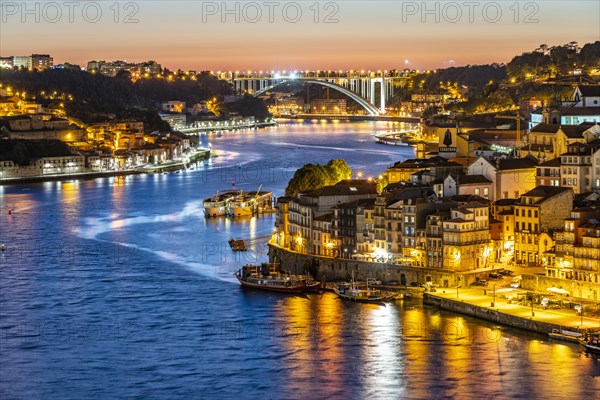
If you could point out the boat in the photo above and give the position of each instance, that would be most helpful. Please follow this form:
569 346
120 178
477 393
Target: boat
250 203
352 292
268 276
563 334
591 343
313 286
237 244
217 205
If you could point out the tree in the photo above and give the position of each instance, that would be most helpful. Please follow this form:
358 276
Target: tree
21 154
382 183
338 170
431 111
315 176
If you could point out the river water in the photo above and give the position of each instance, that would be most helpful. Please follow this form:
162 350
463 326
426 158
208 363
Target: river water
120 288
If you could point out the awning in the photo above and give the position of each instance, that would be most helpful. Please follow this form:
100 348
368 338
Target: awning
557 290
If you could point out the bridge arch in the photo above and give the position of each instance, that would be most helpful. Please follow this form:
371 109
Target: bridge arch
370 108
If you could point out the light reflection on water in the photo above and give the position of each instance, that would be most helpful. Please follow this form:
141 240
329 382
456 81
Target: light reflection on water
114 288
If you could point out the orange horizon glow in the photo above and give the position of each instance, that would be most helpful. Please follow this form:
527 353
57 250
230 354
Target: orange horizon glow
363 36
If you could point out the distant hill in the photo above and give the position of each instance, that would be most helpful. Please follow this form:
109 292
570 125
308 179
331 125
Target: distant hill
469 75
97 97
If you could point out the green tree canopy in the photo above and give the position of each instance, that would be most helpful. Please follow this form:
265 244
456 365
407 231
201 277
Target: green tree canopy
315 176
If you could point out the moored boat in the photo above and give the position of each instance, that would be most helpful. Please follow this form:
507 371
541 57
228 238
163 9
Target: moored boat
314 287
352 292
249 203
237 244
563 334
217 205
267 276
591 343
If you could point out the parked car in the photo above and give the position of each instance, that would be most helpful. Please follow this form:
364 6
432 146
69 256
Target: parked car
429 286
516 282
373 281
480 282
494 275
506 272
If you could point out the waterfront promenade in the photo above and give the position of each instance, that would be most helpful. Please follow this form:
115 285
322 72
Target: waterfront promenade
27 174
478 302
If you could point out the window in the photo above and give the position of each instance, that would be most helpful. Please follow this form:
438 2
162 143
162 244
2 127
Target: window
535 213
486 192
476 191
528 213
516 194
505 195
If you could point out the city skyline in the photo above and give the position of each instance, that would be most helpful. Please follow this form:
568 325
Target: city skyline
296 35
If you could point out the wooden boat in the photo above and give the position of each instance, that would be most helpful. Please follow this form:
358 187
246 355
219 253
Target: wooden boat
563 334
591 343
250 203
314 287
237 244
352 292
267 276
217 205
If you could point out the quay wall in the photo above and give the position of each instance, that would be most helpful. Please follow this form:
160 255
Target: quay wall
342 269
530 324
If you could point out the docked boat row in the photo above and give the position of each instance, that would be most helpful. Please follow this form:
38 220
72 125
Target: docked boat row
238 203
268 276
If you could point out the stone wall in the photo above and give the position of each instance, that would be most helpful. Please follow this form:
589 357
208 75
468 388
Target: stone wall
341 269
490 315
582 290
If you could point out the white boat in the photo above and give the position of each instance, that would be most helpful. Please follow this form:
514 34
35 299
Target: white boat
563 334
217 205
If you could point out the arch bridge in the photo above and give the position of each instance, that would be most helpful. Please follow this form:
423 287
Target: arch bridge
360 88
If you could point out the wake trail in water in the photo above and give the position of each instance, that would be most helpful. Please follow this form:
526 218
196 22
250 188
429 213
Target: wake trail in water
94 227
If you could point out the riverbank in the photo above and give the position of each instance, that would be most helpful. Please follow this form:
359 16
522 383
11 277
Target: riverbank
201 154
483 304
224 126
345 117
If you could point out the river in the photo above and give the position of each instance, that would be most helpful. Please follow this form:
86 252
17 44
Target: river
120 288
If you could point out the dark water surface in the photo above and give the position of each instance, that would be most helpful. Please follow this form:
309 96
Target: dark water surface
120 288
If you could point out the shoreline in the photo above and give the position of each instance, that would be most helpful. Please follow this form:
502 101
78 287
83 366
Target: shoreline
164 168
512 315
474 302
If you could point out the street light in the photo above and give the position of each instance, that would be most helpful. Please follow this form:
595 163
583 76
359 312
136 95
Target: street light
457 285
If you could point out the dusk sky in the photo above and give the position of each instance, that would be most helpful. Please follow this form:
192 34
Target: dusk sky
373 35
